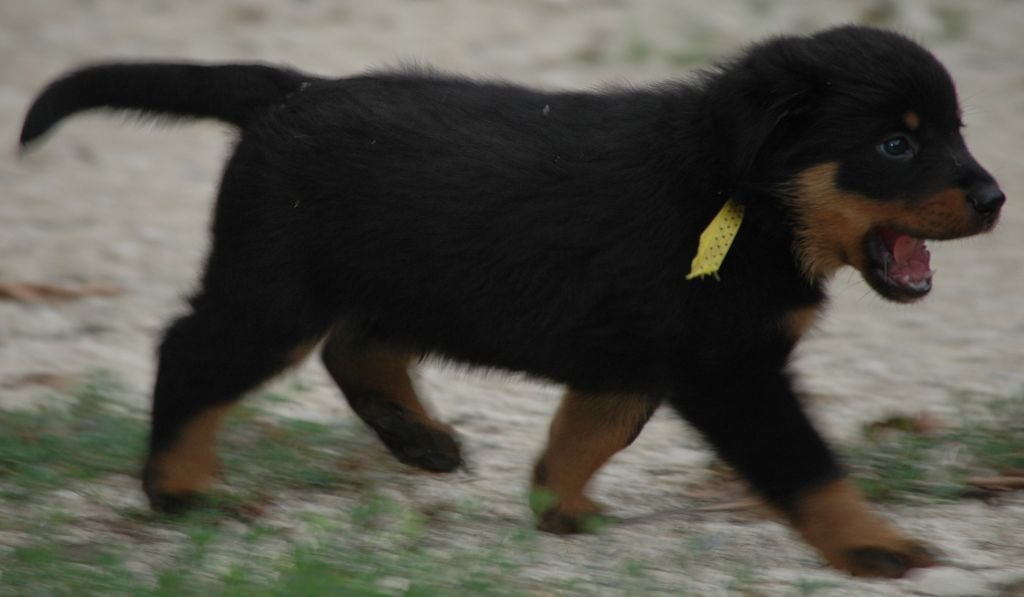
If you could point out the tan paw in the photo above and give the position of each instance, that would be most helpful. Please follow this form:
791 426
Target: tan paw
174 485
579 515
837 521
886 562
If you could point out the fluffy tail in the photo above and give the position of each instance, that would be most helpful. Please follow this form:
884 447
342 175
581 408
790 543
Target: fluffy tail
232 93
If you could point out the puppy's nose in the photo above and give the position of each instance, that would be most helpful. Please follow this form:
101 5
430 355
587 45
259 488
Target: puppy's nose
986 199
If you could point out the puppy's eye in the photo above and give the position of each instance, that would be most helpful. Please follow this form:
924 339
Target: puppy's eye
898 147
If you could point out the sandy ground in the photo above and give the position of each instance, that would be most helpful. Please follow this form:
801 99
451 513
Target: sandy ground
128 207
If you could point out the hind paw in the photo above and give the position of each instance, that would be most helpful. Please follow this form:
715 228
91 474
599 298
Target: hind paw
431 447
580 515
172 494
891 561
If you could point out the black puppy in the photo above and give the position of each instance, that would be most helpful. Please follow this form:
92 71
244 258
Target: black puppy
638 245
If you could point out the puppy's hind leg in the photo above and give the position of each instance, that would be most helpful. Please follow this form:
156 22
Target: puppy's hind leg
375 381
587 430
208 359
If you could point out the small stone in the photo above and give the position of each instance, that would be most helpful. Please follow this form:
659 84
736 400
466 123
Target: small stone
949 582
396 584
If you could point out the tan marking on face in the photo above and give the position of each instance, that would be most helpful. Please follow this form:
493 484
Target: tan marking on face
946 214
832 224
912 120
190 463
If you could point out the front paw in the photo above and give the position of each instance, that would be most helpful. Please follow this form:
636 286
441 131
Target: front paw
892 561
836 520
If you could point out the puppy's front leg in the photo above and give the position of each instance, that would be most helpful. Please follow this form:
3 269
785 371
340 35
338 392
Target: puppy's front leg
755 422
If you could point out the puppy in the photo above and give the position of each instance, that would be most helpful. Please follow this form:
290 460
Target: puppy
668 244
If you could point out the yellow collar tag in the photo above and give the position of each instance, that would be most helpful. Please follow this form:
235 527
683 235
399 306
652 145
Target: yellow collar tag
716 240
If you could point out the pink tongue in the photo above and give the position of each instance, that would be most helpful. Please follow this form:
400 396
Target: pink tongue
910 257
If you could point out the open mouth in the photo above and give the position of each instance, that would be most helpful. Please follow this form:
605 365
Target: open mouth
899 265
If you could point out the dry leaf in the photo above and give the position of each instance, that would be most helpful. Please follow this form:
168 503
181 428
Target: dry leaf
920 424
741 504
32 292
927 422
998 483
55 381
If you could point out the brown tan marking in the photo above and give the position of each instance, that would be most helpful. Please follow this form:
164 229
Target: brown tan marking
375 381
299 353
837 521
373 367
190 463
912 120
587 430
832 223
797 322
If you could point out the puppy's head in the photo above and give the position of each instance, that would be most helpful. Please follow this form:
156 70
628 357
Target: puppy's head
858 132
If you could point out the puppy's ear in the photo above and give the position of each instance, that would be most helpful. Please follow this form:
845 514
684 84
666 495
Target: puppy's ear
756 100
780 115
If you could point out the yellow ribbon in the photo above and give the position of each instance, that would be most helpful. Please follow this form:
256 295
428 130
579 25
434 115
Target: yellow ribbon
716 240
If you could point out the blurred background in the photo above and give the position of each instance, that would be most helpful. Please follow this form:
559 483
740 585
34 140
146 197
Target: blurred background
103 230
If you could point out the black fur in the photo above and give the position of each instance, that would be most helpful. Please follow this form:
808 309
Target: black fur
544 232
232 93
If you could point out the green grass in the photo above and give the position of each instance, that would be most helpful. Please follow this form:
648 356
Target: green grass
52 568
51 448
881 13
955 19
363 542
806 587
903 464
329 566
639 49
374 546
